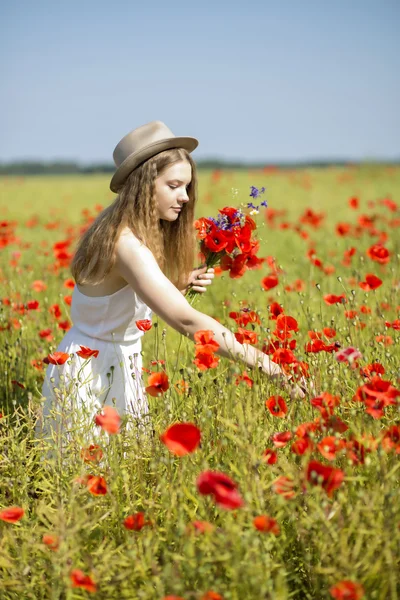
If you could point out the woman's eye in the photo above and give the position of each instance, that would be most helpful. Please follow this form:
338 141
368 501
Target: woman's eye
172 187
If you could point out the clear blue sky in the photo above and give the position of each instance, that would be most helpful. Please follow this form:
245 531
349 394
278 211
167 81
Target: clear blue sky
254 80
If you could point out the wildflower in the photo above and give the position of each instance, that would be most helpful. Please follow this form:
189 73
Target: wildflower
92 454
270 456
327 477
109 420
56 358
181 438
266 524
379 254
281 439
51 541
86 352
284 486
80 580
347 590
372 282
269 282
11 514
136 522
348 355
144 324
276 406
158 383
221 487
96 485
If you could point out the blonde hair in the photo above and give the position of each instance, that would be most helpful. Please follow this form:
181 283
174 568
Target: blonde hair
172 243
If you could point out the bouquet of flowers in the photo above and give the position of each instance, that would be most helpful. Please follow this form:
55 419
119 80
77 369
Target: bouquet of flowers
227 240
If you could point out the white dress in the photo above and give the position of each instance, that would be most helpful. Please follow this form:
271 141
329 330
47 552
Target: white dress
114 377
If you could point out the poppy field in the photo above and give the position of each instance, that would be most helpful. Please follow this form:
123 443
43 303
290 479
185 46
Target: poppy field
231 489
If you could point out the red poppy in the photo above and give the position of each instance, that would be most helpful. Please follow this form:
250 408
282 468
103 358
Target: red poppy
244 336
347 590
391 439
206 360
354 202
136 521
266 524
281 439
181 438
221 487
205 337
51 541
269 282
275 310
302 445
158 383
333 299
348 355
39 286
379 254
211 595
216 240
200 526
80 580
144 324
108 419
55 311
276 406
33 305
12 514
284 486
46 334
92 454
329 446
327 477
270 456
244 377
86 352
96 485
372 282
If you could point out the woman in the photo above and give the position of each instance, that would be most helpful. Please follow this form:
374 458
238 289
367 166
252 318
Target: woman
135 258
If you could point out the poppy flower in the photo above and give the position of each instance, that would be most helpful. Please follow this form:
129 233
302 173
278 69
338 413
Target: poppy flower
302 445
80 580
56 358
158 383
96 485
92 454
276 406
269 282
354 202
108 419
329 446
39 285
12 514
379 254
270 456
136 521
391 439
244 377
200 526
284 486
205 337
46 334
51 541
86 352
221 487
349 355
281 439
372 282
244 336
215 240
266 524
211 595
347 590
181 438
144 324
334 299
206 360
325 476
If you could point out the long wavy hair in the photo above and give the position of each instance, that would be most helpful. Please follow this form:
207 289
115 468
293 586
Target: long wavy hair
173 243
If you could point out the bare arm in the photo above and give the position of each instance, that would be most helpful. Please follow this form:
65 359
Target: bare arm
137 265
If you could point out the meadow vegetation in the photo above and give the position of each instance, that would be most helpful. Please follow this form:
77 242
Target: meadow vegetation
255 495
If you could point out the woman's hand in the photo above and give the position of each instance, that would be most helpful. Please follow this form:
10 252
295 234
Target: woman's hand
200 278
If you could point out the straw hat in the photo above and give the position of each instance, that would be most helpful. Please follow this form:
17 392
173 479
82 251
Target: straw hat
142 143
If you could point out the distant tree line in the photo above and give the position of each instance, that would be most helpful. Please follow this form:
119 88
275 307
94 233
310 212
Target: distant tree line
69 168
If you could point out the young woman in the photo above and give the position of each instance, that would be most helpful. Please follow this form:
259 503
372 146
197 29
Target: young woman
135 258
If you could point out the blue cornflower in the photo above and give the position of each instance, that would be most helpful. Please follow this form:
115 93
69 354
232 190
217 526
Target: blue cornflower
254 192
264 203
262 190
250 205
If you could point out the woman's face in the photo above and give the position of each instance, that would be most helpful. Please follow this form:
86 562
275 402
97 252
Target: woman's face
171 190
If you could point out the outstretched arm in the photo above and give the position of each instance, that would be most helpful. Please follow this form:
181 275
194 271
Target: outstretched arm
137 265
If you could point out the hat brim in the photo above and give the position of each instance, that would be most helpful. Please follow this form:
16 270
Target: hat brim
135 159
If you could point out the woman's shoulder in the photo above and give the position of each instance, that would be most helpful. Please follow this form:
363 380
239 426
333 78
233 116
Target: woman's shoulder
127 237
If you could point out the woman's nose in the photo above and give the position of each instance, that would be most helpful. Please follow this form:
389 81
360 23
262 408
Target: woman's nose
183 197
